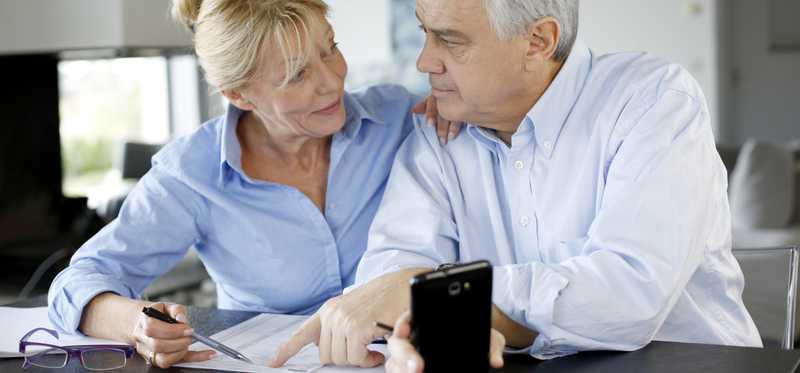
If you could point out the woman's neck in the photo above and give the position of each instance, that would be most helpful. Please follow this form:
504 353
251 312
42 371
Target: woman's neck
286 147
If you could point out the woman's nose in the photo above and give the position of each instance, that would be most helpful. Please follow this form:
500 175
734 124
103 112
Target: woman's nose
329 80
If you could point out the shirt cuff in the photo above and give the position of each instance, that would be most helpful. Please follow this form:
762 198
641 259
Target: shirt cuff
67 303
544 349
526 293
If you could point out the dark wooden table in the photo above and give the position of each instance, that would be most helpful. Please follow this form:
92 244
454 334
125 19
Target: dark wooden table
658 357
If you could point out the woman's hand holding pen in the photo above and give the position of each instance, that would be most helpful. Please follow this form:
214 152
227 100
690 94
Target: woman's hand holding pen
164 344
405 359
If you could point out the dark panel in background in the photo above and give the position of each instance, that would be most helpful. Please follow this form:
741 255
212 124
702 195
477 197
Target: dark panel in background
39 227
30 150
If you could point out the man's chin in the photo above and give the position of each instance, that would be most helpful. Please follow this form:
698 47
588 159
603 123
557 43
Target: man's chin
451 111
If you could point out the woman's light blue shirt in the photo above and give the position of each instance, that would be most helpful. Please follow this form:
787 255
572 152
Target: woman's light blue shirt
266 245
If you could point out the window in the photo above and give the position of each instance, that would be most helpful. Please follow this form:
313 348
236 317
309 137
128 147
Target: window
104 103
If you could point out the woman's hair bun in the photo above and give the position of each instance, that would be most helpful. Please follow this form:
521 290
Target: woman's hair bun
186 11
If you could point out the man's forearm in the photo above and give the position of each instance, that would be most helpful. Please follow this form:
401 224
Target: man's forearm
517 335
110 316
393 290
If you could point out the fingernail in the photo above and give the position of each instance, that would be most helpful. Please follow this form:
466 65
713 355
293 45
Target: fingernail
430 122
442 140
451 136
212 354
181 317
188 332
412 365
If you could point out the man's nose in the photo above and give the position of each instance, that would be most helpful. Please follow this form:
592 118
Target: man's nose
428 63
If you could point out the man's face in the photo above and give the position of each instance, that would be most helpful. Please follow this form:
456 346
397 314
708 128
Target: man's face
473 74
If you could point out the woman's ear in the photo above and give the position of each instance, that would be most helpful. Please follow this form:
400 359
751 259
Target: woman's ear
542 38
237 99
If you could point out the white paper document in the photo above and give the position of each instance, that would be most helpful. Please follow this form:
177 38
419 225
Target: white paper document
259 339
16 322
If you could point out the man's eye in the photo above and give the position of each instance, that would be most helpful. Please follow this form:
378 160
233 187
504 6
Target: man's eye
448 43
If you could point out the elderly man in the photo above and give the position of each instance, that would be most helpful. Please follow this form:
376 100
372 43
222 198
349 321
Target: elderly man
590 182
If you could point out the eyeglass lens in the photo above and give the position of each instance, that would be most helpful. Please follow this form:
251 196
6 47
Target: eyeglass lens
92 359
48 358
103 359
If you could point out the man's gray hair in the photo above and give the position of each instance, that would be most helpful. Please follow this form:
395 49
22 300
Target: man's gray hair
511 18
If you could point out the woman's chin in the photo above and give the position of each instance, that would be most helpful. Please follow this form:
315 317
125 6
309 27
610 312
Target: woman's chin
329 129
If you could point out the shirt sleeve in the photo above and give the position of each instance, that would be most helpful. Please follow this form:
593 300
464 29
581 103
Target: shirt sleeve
646 241
156 226
414 225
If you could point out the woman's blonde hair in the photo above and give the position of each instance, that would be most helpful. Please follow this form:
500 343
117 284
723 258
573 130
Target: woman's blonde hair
229 34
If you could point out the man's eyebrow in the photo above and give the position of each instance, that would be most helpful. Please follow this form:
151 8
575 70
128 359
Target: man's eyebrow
443 32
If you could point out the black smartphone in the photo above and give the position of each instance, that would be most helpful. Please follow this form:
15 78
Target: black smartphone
451 316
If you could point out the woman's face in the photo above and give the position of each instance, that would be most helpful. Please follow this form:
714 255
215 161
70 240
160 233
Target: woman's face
311 104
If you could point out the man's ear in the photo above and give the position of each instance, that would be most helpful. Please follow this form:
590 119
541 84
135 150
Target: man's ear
542 38
236 98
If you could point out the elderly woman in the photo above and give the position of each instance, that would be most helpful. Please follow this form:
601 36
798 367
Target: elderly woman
276 195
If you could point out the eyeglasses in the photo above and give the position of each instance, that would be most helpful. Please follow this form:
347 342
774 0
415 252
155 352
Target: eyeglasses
93 357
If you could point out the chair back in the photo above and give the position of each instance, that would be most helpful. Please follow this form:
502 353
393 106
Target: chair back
135 159
770 292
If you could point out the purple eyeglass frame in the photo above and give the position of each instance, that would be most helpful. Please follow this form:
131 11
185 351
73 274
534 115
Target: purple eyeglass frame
72 351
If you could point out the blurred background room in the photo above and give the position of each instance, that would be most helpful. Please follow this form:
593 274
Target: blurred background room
92 89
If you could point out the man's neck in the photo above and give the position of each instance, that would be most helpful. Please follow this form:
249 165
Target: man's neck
506 127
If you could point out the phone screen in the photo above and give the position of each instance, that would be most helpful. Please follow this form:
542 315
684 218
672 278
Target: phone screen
451 317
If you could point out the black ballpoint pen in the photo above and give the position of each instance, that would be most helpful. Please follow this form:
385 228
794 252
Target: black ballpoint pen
382 341
156 314
384 326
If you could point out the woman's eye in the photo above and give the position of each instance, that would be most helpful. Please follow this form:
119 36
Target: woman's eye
299 76
332 51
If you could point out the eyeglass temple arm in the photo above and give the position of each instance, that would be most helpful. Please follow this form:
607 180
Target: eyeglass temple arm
25 337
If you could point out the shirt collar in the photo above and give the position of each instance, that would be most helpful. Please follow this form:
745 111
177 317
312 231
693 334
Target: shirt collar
551 112
231 149
357 113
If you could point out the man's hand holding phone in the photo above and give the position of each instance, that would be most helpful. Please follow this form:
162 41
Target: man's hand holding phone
406 359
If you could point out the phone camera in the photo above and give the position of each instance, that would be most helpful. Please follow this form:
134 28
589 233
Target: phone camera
454 288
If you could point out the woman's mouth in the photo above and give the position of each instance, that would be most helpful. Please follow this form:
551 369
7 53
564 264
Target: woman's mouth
330 110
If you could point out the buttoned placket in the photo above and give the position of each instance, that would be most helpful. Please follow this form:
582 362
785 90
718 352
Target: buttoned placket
518 165
332 217
339 144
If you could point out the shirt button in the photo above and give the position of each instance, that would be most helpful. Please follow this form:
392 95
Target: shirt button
547 145
519 165
331 206
524 221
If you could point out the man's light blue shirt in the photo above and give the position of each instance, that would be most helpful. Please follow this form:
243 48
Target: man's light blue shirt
606 220
266 245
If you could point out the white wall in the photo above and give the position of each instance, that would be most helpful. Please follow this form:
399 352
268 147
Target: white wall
681 31
363 30
28 26
148 23
764 85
